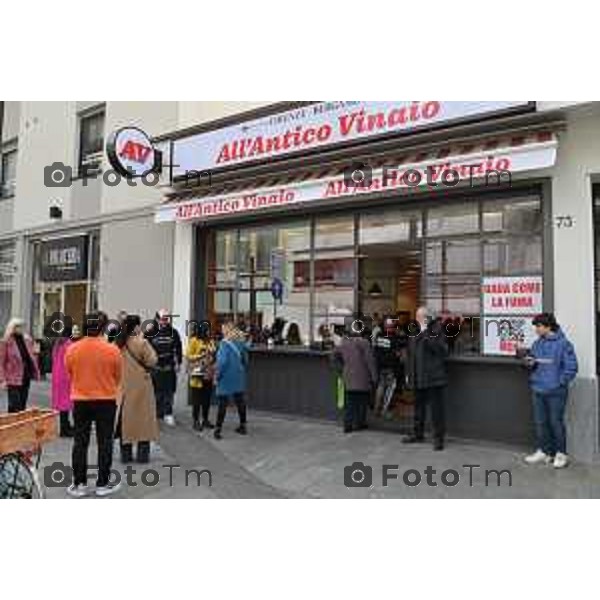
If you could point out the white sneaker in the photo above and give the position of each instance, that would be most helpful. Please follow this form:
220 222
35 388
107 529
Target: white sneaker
78 491
560 461
108 490
537 457
169 420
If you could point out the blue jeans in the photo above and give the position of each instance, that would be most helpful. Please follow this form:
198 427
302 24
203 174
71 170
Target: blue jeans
549 417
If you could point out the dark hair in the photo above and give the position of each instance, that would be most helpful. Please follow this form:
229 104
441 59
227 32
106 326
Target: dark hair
293 335
546 320
94 323
127 328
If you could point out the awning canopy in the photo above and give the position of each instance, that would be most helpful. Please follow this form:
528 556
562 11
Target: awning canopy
490 160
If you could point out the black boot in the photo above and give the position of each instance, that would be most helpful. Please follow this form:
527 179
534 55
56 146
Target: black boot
126 453
218 435
242 429
196 426
206 423
143 452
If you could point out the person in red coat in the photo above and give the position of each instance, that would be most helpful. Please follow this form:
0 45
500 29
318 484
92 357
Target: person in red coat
18 365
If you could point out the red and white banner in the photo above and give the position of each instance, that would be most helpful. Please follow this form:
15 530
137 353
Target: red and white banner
319 125
512 295
451 170
509 304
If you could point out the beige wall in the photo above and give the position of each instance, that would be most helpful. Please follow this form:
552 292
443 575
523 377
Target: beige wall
196 113
578 160
154 118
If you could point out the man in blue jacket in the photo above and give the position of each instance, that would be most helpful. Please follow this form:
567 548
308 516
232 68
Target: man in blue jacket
230 376
553 366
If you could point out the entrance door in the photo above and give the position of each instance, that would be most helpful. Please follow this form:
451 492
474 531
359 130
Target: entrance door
75 301
390 270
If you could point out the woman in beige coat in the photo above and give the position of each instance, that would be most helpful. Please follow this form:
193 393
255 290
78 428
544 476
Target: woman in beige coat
137 413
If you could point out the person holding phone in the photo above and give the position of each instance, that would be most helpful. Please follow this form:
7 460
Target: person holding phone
553 366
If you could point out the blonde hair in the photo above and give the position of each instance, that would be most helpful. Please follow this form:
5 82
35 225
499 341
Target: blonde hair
12 325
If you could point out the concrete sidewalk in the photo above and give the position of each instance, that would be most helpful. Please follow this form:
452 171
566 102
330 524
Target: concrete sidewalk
298 458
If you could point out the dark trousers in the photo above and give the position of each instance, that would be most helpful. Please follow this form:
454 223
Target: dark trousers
355 408
240 403
435 397
164 402
200 398
65 423
549 416
17 396
102 413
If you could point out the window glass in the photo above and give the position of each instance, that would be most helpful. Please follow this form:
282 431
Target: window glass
453 219
91 139
334 232
513 216
389 226
513 256
8 174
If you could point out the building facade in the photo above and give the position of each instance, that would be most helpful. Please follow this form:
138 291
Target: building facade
279 231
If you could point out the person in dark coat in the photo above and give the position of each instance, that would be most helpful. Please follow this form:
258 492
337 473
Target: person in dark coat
166 341
354 357
427 376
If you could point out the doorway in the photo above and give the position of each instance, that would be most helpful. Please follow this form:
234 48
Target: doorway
390 283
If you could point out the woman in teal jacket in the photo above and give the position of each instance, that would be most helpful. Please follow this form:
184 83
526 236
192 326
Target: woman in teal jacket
553 365
230 378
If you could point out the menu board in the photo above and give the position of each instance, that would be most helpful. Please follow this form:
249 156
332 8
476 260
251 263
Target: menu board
509 305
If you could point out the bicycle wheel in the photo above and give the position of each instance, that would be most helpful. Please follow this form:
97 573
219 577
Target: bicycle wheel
19 478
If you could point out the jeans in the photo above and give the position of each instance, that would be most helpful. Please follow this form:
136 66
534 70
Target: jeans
102 413
435 397
241 408
355 408
164 403
17 396
549 417
201 400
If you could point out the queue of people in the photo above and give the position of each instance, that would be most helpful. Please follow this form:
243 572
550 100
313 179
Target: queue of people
125 382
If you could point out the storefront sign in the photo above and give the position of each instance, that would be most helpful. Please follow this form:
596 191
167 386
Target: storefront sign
512 295
502 335
509 304
465 168
319 125
131 153
64 259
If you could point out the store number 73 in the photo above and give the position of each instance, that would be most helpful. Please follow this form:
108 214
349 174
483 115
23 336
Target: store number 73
565 222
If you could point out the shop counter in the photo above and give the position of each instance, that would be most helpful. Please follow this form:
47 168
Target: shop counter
488 397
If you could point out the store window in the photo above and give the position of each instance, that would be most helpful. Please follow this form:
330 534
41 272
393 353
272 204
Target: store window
334 267
8 173
244 263
91 141
385 262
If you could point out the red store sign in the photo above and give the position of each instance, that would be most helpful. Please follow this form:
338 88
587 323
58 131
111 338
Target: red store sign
431 173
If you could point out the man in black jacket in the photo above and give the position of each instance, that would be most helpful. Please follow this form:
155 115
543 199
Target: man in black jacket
166 342
427 376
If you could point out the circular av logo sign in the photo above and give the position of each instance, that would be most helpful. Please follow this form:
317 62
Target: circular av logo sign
131 153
